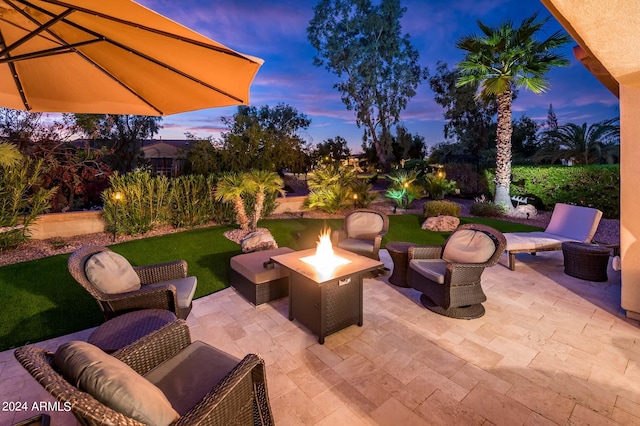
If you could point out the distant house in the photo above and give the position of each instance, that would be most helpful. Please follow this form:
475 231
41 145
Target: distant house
164 156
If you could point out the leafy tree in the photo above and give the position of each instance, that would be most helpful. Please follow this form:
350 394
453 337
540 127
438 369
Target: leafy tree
19 127
203 156
376 65
406 146
524 140
120 135
502 58
552 120
594 144
264 138
469 119
335 149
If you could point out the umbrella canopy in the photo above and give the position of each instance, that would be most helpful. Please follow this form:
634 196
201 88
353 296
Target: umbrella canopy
116 57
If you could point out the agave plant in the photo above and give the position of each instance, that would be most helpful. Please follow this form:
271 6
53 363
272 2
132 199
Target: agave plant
403 189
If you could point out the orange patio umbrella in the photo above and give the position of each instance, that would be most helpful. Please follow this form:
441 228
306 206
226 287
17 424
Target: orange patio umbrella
116 57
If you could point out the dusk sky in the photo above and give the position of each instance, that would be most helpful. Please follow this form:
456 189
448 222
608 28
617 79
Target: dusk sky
275 31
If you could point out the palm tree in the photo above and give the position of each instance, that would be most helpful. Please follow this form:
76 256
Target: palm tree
597 143
264 182
230 188
503 59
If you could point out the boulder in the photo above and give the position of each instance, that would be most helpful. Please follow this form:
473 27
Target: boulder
258 240
524 211
441 223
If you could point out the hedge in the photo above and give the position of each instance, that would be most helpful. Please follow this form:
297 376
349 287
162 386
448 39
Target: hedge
592 186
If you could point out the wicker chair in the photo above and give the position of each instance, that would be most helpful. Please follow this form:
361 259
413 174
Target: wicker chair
240 398
149 296
362 232
448 276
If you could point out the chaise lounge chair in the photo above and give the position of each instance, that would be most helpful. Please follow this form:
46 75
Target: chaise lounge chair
568 223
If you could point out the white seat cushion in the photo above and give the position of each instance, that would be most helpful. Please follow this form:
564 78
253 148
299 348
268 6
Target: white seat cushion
534 241
469 246
113 383
111 273
431 269
574 222
185 289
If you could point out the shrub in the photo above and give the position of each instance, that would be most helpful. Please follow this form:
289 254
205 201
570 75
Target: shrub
592 186
363 196
404 189
330 188
437 208
486 209
191 200
438 187
21 200
144 202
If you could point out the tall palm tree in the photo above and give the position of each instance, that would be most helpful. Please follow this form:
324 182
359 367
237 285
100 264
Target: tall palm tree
501 59
597 143
264 182
230 188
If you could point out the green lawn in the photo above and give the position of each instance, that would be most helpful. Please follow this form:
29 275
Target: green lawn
41 300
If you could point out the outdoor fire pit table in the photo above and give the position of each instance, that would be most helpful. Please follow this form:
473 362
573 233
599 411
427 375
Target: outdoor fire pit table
124 329
399 253
327 300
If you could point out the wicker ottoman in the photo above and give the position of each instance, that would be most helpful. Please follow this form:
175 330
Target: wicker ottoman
125 329
259 280
586 261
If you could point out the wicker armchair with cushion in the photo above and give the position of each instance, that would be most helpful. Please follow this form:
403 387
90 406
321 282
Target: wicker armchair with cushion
119 287
161 379
448 276
362 232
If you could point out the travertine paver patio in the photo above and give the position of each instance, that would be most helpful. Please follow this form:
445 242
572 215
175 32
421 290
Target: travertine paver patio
551 349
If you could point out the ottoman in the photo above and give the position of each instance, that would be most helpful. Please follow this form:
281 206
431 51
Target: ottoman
586 261
259 280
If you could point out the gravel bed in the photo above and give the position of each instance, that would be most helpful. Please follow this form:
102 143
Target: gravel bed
608 232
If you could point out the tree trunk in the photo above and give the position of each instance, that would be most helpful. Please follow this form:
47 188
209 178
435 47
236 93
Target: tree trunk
258 209
243 221
503 150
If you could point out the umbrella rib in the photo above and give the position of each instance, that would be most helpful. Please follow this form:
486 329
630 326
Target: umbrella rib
224 50
41 27
16 79
140 54
48 52
80 54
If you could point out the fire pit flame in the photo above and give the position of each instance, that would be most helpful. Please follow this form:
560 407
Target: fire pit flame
325 261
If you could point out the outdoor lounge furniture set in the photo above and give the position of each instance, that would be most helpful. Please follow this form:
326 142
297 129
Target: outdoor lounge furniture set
155 374
161 379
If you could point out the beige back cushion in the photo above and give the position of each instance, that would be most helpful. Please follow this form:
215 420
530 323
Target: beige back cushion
111 273
574 222
113 383
364 225
468 246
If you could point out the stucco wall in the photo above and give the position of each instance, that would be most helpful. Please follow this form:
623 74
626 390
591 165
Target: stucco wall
67 224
